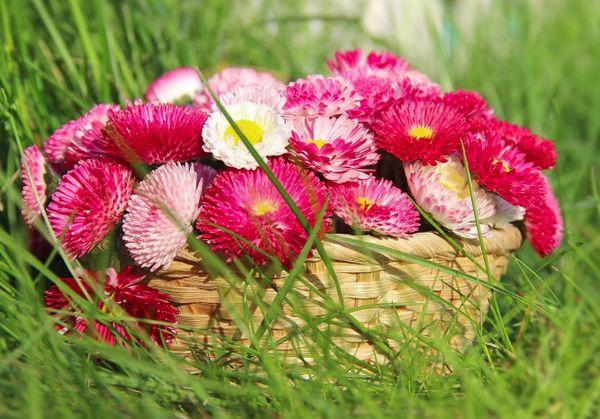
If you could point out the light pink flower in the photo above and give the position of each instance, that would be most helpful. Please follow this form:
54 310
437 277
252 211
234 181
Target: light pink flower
320 96
79 139
178 85
443 191
269 95
375 205
340 148
33 169
232 78
88 203
160 214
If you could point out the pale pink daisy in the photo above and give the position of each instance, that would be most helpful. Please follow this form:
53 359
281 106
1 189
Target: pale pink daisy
232 78
156 133
79 139
341 149
33 170
160 214
242 210
179 85
375 205
269 95
320 96
443 191
88 203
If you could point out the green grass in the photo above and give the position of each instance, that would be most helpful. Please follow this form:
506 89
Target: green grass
537 356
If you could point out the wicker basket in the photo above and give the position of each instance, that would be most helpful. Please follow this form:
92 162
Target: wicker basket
420 297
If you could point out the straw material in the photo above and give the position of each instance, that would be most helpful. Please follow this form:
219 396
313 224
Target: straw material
386 290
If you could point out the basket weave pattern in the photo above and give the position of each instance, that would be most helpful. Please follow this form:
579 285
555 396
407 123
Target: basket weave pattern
420 297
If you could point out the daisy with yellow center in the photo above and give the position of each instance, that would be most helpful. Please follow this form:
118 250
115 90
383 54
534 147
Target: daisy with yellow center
262 126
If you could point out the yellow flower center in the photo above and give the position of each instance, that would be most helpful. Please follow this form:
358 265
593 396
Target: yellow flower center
365 204
319 142
421 132
263 207
453 177
252 131
505 165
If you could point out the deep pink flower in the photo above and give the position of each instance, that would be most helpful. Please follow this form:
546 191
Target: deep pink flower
543 221
320 96
178 85
425 130
246 203
348 61
79 139
340 148
500 167
537 150
122 291
33 169
156 133
232 78
375 205
88 203
161 213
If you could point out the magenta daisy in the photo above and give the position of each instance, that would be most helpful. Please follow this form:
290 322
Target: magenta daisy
443 191
179 85
340 148
124 291
88 203
348 61
375 205
543 221
33 169
500 167
245 203
537 150
232 78
79 139
156 133
161 212
320 96
425 130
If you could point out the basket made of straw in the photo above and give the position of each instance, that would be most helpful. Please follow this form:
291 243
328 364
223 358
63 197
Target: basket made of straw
421 283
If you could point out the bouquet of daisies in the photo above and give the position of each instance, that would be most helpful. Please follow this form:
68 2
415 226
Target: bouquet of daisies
350 149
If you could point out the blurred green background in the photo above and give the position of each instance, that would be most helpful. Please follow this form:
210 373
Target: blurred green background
537 62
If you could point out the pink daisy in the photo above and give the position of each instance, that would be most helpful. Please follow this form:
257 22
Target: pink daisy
232 78
88 203
543 222
420 130
340 148
33 169
124 290
269 95
500 167
79 139
443 191
160 214
537 150
246 203
348 61
156 133
320 96
179 85
375 205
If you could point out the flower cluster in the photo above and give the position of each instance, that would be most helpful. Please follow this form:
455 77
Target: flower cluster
254 174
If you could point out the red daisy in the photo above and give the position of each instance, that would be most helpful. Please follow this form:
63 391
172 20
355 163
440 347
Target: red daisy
247 203
156 133
88 203
537 150
124 291
425 130
544 222
500 167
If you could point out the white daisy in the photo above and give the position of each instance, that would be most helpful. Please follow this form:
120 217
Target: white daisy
263 127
